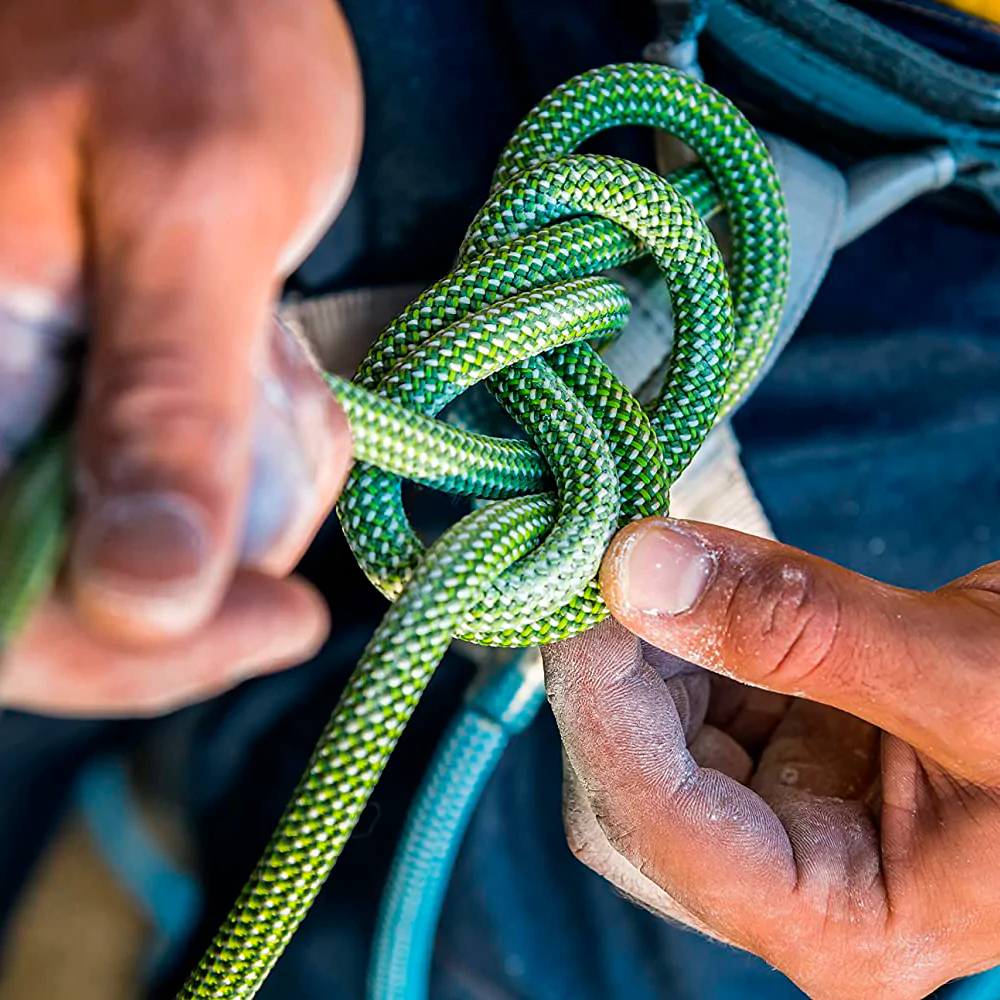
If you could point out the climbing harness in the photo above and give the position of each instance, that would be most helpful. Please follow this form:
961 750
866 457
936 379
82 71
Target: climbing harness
848 80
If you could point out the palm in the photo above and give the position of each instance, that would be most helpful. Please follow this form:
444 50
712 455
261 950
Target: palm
894 821
842 840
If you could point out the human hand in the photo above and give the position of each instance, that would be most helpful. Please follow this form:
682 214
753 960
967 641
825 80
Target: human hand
163 165
840 818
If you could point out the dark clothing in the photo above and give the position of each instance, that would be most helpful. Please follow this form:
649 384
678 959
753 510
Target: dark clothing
872 442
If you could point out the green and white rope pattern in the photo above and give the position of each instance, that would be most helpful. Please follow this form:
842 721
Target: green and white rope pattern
523 310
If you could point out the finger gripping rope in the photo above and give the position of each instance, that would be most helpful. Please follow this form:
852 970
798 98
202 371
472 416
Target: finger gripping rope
523 311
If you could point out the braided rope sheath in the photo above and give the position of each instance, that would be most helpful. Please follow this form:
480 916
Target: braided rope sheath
523 310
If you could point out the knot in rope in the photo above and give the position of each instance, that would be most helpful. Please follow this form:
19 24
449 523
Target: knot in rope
525 310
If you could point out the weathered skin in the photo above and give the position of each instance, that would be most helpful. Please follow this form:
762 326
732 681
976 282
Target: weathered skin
840 818
163 164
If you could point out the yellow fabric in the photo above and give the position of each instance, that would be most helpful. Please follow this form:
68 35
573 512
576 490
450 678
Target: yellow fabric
988 10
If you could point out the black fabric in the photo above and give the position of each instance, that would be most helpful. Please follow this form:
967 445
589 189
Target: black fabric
952 33
872 442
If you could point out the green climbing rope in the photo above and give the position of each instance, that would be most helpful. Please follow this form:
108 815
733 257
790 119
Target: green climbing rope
524 310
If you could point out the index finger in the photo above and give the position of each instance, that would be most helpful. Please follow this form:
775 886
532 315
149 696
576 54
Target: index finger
917 665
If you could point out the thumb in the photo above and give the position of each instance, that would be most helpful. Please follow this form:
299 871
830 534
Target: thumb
203 178
914 664
164 452
183 300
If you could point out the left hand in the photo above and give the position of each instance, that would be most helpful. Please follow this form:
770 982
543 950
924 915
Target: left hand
164 164
840 818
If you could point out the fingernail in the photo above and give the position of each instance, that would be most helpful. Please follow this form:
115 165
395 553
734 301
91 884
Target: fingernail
665 570
143 557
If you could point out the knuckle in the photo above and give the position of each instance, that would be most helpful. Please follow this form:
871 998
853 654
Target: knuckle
202 164
149 381
783 620
232 157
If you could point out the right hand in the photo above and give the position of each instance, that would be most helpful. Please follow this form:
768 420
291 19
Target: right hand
840 816
164 164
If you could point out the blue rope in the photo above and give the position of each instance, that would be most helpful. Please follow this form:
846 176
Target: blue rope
465 761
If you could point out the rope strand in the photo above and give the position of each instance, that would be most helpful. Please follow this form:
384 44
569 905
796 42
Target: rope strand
523 310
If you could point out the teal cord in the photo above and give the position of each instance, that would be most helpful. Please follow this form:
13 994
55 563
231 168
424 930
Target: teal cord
418 881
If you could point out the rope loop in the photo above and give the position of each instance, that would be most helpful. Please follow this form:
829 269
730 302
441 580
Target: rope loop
524 309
